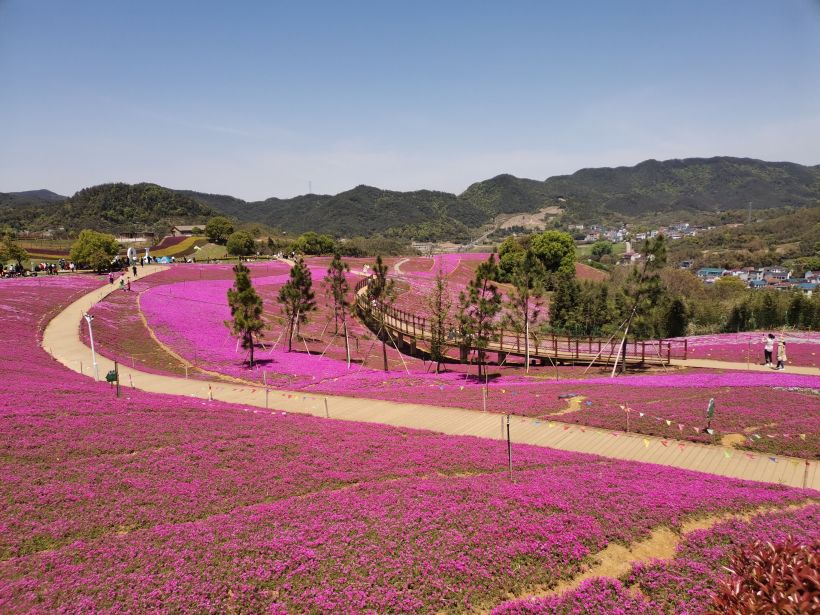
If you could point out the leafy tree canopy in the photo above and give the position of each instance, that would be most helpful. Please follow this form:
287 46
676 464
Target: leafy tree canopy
240 243
555 250
95 250
11 251
218 229
314 243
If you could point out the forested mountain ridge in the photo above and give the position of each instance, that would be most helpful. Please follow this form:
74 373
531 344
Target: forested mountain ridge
112 208
363 210
588 195
701 184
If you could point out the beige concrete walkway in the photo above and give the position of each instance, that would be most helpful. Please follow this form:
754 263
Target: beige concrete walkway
742 367
62 341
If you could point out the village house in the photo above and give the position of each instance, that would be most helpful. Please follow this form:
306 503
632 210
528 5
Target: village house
185 230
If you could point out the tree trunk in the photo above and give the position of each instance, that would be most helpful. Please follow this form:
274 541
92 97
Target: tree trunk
384 354
347 343
249 339
527 336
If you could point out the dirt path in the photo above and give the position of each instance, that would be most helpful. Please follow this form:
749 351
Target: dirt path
616 560
62 340
397 266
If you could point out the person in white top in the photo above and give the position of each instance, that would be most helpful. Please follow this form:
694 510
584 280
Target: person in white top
768 349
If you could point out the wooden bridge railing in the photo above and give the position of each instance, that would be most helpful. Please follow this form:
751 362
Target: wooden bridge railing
512 342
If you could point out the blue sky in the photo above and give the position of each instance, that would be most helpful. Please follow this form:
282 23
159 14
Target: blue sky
260 99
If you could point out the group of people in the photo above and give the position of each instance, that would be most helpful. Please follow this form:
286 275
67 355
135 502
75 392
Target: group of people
768 350
125 282
17 270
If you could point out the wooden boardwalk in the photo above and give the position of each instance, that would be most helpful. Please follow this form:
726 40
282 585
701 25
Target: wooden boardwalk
412 334
62 340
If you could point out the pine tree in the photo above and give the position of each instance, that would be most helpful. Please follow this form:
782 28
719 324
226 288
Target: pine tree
564 302
380 293
676 319
795 309
246 310
524 305
337 288
297 298
439 304
478 308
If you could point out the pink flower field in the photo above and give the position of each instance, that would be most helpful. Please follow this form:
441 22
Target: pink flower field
172 504
770 413
803 347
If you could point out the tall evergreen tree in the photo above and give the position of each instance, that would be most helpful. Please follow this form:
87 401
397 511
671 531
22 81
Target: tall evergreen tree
297 298
564 302
246 310
337 288
524 304
381 291
795 310
676 318
478 308
439 303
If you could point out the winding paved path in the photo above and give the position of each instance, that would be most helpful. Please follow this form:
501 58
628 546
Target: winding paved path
62 340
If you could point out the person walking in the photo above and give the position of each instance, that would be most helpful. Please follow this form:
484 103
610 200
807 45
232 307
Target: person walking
768 349
110 277
781 355
128 285
134 270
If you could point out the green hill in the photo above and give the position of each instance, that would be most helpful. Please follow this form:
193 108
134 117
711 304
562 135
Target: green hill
112 208
691 187
695 184
363 210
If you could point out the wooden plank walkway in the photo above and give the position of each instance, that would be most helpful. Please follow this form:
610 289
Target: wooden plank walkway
62 340
410 332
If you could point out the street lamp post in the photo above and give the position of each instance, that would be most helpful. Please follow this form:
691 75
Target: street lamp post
88 319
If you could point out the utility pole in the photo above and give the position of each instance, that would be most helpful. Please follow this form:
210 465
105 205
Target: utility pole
750 212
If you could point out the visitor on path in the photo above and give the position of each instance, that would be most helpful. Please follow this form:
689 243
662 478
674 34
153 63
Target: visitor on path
767 350
781 355
122 284
134 270
110 277
128 285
